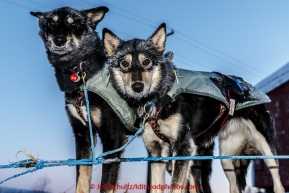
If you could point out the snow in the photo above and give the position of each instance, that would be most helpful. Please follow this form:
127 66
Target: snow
274 80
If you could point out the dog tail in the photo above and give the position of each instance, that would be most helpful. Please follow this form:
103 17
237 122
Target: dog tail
241 166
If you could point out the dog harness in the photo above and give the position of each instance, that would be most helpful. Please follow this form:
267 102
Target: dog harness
153 121
78 103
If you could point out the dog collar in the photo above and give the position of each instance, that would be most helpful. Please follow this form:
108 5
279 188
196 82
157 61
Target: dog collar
74 72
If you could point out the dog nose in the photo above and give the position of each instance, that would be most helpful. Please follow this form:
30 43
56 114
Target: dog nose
137 87
59 40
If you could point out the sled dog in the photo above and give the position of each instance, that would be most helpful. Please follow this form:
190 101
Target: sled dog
74 48
186 115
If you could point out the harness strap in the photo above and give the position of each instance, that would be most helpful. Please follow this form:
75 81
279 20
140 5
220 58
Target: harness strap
153 121
226 118
78 103
74 77
221 112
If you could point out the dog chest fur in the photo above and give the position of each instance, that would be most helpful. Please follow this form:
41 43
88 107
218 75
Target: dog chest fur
71 110
169 127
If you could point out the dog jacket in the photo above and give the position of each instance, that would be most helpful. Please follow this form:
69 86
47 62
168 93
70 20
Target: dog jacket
211 84
98 85
207 84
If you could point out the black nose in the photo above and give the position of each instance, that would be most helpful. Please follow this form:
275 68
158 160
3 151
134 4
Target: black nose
137 87
59 40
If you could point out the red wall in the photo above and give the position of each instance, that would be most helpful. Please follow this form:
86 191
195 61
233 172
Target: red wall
279 107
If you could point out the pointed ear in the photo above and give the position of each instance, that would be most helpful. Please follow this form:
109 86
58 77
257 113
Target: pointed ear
170 56
40 15
110 41
159 37
95 15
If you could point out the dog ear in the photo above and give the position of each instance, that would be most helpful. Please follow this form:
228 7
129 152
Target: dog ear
40 15
110 41
159 37
169 56
95 15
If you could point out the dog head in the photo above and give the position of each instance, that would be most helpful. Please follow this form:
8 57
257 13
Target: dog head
67 31
138 67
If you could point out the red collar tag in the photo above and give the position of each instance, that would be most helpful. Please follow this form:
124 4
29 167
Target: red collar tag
74 77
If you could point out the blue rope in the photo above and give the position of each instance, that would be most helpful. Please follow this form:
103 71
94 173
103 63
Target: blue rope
89 121
124 146
73 162
40 164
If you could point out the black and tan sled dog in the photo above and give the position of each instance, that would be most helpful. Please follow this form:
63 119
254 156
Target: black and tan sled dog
190 109
73 47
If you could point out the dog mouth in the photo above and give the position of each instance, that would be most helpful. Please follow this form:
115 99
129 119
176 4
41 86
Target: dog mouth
60 50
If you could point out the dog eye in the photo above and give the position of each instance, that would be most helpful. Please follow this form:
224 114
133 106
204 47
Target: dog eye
146 62
75 24
51 24
124 63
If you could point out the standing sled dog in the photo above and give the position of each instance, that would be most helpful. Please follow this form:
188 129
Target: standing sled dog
190 109
73 47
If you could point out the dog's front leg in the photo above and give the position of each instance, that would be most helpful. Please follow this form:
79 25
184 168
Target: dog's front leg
201 171
83 151
180 173
156 148
181 168
83 178
112 138
157 177
82 147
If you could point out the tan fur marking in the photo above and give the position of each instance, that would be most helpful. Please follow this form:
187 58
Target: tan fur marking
145 77
235 132
95 16
96 116
264 148
127 78
128 58
73 112
157 176
159 39
193 184
75 40
55 18
245 149
110 191
141 57
83 181
170 126
156 77
118 76
70 20
110 43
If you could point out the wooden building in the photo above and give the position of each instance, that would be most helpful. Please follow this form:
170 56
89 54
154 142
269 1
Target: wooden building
276 86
